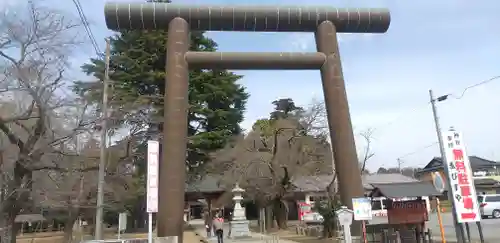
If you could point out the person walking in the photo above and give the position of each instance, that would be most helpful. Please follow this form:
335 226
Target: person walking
208 223
218 224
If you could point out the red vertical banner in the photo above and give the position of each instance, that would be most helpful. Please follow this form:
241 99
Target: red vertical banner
460 177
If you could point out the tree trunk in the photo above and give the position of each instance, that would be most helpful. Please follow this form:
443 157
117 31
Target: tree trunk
329 228
280 213
143 215
7 224
8 230
13 232
260 222
68 225
14 201
269 222
4 229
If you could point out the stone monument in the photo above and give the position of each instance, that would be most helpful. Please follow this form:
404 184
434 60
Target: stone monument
239 222
345 215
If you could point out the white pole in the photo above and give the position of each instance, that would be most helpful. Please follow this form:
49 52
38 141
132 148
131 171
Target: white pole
119 225
150 227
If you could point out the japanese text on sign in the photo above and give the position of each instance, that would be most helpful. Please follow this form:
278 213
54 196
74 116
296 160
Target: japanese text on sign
152 180
407 212
460 176
362 208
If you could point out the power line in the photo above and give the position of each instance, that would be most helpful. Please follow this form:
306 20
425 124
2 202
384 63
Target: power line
415 152
401 162
399 117
439 99
458 97
418 150
442 98
88 30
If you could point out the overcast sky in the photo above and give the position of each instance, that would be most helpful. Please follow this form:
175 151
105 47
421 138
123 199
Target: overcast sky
444 45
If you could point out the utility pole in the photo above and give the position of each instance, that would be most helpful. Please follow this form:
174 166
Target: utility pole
102 164
459 231
399 165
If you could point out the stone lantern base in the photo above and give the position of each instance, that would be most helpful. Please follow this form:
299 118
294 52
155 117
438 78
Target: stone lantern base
168 239
239 229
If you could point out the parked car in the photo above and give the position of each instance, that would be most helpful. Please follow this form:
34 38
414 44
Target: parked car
489 205
313 217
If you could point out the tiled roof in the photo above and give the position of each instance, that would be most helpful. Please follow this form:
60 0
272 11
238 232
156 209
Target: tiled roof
485 181
407 189
30 218
368 180
312 183
207 183
319 183
476 163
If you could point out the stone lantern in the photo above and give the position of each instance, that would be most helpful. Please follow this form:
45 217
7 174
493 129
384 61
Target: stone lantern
239 222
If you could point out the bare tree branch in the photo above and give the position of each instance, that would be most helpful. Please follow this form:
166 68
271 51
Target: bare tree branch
35 45
367 153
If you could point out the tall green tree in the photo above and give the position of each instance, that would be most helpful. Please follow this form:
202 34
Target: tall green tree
137 64
137 70
285 108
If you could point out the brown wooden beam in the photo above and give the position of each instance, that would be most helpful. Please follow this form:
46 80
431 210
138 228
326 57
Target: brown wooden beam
152 16
256 60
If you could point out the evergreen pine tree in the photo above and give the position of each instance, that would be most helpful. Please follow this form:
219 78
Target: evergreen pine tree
137 70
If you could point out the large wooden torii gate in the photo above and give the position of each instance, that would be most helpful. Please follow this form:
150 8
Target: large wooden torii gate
325 22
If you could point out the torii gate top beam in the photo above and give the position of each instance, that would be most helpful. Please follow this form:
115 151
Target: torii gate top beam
150 16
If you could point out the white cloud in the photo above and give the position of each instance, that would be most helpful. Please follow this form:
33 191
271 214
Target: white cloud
6 6
304 42
299 42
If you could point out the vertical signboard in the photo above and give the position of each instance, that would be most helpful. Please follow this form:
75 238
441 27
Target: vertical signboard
122 222
460 176
362 208
152 181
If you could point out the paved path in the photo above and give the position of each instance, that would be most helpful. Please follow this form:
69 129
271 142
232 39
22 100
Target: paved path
199 227
490 228
191 237
490 231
